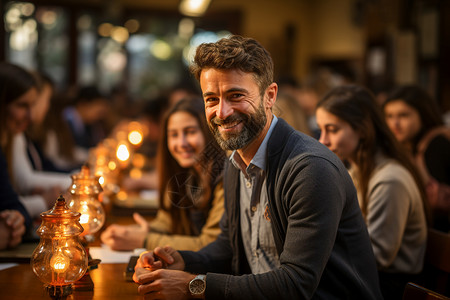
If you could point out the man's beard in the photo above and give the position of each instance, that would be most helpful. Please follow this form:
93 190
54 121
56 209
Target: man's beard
253 125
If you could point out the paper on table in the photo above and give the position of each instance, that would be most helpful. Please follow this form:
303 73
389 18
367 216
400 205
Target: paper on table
4 266
109 256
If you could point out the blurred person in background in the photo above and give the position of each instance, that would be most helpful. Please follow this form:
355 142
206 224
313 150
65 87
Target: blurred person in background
190 188
184 88
17 94
287 106
49 144
390 192
414 118
85 117
29 164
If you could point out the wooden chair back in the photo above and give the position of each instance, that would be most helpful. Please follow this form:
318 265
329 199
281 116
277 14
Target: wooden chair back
437 262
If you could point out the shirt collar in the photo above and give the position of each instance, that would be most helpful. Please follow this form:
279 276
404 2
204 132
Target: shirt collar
259 160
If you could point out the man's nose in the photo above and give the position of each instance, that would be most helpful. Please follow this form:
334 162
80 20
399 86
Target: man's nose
224 110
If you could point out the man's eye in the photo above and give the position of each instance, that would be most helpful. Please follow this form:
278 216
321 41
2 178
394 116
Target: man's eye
211 99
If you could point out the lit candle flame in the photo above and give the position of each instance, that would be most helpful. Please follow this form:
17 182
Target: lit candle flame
135 137
84 219
112 165
122 152
59 263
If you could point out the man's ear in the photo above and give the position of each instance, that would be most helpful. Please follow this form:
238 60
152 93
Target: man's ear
271 95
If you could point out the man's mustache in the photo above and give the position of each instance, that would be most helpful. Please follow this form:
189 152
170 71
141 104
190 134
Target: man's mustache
230 119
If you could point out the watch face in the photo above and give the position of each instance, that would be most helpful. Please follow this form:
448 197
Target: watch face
197 286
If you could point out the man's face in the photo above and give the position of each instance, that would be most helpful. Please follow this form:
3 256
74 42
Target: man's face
235 111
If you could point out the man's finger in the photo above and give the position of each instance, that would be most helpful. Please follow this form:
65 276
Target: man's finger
163 254
147 288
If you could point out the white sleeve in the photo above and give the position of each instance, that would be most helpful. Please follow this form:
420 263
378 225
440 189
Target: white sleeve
52 151
26 178
34 205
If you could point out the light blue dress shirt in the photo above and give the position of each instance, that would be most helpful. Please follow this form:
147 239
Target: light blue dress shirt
256 228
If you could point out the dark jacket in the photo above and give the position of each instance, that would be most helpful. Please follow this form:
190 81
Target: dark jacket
8 197
319 232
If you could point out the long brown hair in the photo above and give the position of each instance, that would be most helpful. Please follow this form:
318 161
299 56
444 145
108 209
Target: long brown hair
357 106
53 121
186 188
14 82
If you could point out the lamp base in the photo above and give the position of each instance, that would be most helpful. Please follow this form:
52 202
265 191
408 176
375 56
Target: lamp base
59 291
85 283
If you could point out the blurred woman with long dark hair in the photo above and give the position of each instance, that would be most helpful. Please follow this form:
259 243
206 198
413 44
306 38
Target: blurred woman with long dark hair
390 192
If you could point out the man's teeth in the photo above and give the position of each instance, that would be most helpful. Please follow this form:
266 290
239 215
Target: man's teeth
230 125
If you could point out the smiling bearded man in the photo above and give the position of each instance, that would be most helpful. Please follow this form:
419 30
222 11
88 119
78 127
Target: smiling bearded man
253 125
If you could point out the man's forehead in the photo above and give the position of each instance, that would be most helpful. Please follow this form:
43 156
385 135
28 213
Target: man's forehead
232 78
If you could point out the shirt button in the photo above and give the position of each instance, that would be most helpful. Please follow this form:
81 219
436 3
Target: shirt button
254 208
248 184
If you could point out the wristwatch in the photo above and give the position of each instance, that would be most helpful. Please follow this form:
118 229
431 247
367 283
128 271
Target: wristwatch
197 286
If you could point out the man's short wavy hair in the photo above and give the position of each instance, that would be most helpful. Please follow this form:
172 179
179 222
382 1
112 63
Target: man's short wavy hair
235 53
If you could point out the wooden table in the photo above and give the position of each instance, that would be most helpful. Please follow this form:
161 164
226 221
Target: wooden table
21 283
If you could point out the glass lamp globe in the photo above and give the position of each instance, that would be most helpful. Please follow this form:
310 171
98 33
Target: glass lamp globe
85 192
59 259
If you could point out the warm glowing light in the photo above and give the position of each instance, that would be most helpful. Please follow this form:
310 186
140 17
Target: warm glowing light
105 29
194 8
161 50
13 15
120 34
135 173
186 28
122 195
59 263
101 160
132 25
27 9
30 26
48 17
84 219
59 259
138 160
19 39
135 137
113 61
122 153
112 165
